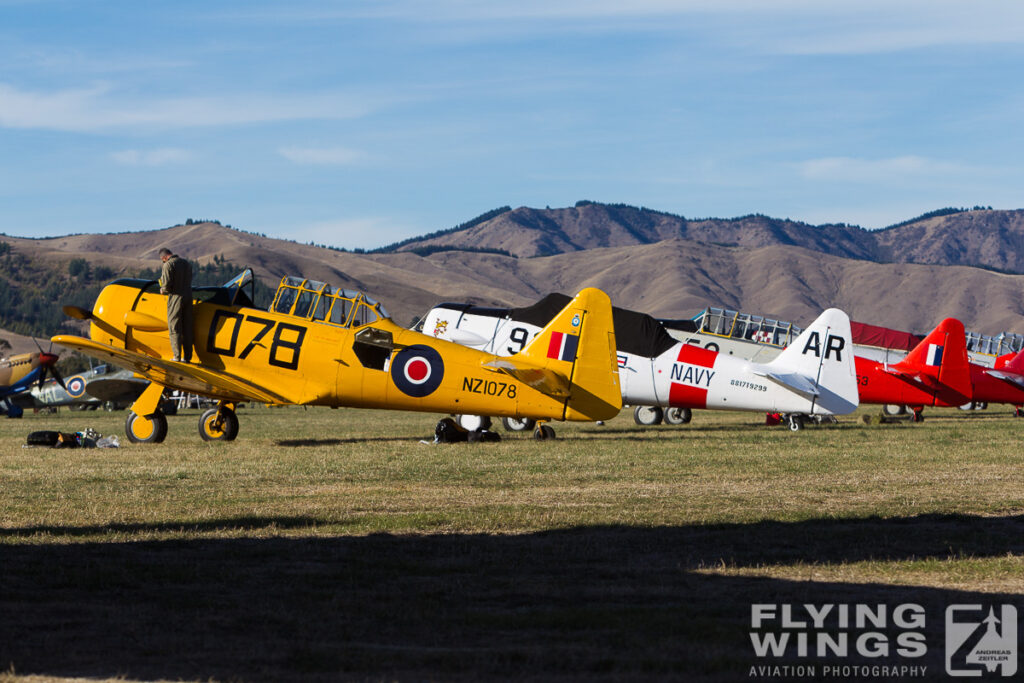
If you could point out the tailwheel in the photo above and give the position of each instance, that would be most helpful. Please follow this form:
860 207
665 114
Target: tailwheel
146 429
518 424
218 424
647 415
543 433
796 423
678 416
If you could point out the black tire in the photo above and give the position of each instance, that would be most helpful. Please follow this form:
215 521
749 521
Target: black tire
149 429
518 424
893 409
678 416
796 423
543 433
918 416
218 425
648 415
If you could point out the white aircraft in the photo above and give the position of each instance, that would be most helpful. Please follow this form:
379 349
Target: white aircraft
813 377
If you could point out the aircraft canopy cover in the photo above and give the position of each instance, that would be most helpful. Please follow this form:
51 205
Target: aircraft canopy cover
636 333
882 337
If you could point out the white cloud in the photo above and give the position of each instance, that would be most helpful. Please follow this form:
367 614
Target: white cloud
781 26
850 169
152 157
329 156
353 233
101 107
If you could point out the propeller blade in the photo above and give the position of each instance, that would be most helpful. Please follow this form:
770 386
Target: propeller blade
77 313
48 363
56 376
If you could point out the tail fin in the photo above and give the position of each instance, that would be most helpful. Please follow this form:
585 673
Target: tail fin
1011 362
941 359
819 364
574 357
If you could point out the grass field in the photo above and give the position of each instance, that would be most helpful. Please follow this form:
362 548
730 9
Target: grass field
332 544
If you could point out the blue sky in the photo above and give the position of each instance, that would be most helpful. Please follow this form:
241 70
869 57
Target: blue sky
359 123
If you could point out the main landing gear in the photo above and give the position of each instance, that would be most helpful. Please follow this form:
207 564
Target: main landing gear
543 432
150 428
146 423
654 415
219 424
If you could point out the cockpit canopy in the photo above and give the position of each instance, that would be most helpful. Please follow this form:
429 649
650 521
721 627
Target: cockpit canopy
319 301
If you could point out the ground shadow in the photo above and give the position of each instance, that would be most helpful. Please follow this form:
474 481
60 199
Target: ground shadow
612 603
301 443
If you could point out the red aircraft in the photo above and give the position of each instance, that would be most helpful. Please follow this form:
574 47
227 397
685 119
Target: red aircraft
935 373
1002 384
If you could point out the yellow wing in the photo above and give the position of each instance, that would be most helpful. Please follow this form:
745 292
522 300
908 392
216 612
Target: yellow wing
193 379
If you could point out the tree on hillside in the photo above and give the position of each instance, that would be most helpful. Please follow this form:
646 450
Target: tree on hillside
78 267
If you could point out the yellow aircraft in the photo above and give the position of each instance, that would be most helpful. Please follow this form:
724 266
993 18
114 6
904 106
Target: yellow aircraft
318 345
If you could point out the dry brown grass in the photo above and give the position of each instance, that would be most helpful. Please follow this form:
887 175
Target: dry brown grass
327 545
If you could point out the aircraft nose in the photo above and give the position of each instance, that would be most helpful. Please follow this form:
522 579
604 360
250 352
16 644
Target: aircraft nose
48 359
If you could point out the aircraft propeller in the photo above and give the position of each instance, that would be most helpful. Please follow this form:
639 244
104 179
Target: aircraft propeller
48 363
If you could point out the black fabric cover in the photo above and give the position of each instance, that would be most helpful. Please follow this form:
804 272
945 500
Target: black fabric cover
636 333
684 325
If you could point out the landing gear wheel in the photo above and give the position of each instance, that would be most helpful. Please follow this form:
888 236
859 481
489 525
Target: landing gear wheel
893 409
543 433
918 416
518 424
148 429
678 416
1018 412
969 406
796 423
647 415
218 425
473 423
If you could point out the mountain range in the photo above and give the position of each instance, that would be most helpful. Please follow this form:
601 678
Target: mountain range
951 263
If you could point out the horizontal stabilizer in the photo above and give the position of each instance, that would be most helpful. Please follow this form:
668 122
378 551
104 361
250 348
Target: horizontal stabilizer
793 382
1011 377
542 379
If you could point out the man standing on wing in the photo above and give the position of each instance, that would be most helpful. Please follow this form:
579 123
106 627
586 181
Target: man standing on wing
176 283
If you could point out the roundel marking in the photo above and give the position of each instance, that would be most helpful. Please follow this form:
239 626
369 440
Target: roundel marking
417 370
76 386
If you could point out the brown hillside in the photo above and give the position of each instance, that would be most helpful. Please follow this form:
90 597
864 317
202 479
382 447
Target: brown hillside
983 238
993 239
536 232
670 278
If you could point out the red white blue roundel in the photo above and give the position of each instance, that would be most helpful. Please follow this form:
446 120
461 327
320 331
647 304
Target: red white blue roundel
76 386
417 370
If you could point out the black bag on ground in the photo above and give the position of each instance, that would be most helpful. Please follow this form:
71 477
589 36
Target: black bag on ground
447 431
43 438
483 435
